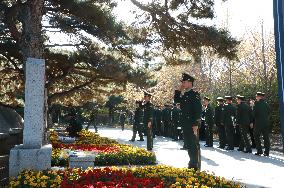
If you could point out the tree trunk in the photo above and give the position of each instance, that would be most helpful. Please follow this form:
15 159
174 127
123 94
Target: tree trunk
31 42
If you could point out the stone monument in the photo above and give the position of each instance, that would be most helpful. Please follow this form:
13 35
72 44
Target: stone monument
32 154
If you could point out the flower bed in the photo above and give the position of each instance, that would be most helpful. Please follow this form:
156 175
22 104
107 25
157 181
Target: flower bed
109 151
149 176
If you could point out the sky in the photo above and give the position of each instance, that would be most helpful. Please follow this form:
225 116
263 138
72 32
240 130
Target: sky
243 15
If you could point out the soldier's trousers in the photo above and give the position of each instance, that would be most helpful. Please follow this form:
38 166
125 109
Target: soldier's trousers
175 130
193 149
209 135
265 133
137 128
244 131
230 135
149 139
222 135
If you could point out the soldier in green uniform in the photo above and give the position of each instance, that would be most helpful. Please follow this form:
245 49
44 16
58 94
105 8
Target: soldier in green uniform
137 127
209 121
148 119
261 114
243 120
166 118
191 108
158 116
219 116
229 121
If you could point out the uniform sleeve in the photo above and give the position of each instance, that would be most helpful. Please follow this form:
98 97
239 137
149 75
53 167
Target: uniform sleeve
211 115
238 115
197 110
151 113
177 96
251 115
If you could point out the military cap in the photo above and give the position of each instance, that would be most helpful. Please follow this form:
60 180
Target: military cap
206 98
146 93
240 97
260 94
187 77
228 97
220 98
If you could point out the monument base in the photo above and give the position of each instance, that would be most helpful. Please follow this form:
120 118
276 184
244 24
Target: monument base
22 158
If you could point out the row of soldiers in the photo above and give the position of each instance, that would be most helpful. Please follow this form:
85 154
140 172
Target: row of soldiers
227 117
166 121
234 122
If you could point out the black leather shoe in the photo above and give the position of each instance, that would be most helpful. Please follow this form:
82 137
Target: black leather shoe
266 154
131 140
229 148
240 149
141 140
258 153
247 151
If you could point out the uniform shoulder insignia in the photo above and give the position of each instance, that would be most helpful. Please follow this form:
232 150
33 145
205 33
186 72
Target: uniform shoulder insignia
197 95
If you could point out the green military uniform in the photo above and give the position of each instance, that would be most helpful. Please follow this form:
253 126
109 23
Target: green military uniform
175 122
191 108
209 122
219 121
229 118
137 127
166 119
243 120
122 118
148 117
261 113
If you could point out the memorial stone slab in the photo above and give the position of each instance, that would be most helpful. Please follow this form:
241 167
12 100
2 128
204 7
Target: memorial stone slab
34 103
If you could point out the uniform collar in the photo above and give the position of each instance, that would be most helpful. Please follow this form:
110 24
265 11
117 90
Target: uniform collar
188 90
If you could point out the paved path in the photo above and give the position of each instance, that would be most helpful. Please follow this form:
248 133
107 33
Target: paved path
254 171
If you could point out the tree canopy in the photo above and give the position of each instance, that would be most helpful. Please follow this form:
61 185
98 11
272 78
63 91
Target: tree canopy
101 63
105 56
176 23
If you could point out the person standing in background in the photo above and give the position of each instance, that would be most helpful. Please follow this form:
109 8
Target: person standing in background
137 127
229 121
243 120
148 119
261 113
209 121
219 121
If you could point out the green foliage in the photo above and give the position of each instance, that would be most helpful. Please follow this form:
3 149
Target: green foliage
100 65
124 158
113 101
175 23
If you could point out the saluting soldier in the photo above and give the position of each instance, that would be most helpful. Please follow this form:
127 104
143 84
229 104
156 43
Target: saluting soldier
219 121
209 121
261 113
243 120
137 127
229 121
148 119
191 108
